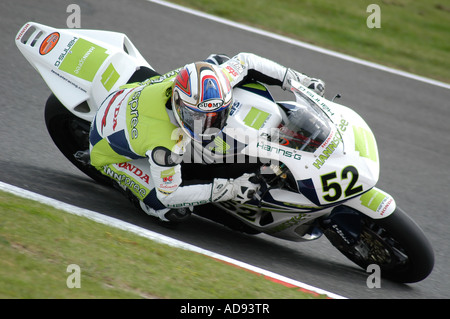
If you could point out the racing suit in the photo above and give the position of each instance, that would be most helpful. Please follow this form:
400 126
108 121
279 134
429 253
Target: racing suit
135 139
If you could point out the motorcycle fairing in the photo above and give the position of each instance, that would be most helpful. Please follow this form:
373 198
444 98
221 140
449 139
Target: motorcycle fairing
77 66
344 165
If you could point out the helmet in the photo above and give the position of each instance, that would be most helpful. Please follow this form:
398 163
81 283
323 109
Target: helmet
201 98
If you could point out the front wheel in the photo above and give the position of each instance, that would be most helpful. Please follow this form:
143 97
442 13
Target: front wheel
395 243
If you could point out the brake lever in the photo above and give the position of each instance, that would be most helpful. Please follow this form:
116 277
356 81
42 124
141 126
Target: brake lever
263 190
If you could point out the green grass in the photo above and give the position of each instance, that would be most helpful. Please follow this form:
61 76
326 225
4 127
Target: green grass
38 243
414 34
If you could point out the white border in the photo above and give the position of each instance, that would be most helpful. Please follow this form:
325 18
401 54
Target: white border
302 44
117 223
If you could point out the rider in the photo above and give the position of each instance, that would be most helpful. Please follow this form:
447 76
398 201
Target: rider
146 123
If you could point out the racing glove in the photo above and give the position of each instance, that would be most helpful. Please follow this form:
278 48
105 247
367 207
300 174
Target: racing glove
239 189
314 84
217 59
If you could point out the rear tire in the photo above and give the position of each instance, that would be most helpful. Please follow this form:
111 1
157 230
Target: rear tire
71 135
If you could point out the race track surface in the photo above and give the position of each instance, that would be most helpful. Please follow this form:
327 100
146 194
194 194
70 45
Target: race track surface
409 118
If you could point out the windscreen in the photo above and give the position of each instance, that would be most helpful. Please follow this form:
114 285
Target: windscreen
306 127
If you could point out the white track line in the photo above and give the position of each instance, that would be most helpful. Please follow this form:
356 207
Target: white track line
302 44
117 223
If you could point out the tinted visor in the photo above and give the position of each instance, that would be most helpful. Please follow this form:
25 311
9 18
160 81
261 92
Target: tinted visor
203 123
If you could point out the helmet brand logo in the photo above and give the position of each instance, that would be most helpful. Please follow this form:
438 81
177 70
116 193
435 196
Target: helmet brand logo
210 105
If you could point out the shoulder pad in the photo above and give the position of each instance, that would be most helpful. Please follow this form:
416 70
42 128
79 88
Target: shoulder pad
164 157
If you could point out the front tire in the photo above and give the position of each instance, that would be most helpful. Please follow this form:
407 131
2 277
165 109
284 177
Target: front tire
395 243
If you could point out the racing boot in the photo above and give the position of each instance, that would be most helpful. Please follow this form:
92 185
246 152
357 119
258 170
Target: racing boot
167 215
178 215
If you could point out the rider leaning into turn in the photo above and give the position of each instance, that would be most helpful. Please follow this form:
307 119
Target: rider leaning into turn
141 123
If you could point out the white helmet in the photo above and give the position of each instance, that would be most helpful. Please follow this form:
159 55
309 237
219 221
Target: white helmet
201 99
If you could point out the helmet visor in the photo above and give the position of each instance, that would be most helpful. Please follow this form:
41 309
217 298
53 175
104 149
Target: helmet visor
203 124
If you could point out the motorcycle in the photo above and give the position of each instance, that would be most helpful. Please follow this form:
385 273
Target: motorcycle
317 161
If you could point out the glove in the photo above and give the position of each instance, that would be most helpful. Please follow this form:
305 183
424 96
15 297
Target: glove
316 85
217 59
239 189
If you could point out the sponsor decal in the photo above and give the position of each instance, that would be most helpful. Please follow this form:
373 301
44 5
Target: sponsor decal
109 77
256 118
22 32
196 203
233 69
315 98
236 106
105 115
210 105
167 175
377 201
125 180
116 113
318 163
168 184
279 150
133 104
328 140
49 43
136 171
62 77
65 51
82 59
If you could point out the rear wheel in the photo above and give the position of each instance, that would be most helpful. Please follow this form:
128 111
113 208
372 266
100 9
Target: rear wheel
395 243
71 135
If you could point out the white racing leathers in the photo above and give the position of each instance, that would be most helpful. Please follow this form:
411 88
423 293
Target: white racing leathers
166 176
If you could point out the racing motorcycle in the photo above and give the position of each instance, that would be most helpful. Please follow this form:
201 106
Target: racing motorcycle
316 160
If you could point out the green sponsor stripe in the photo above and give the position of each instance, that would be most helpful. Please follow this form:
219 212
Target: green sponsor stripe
84 60
110 77
125 179
255 118
168 172
372 199
365 143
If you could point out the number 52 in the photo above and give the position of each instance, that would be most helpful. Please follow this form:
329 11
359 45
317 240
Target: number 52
334 190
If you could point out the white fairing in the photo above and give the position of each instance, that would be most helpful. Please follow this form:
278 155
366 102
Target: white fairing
79 65
349 143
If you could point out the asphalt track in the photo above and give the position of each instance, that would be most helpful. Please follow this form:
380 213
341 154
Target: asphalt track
410 120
